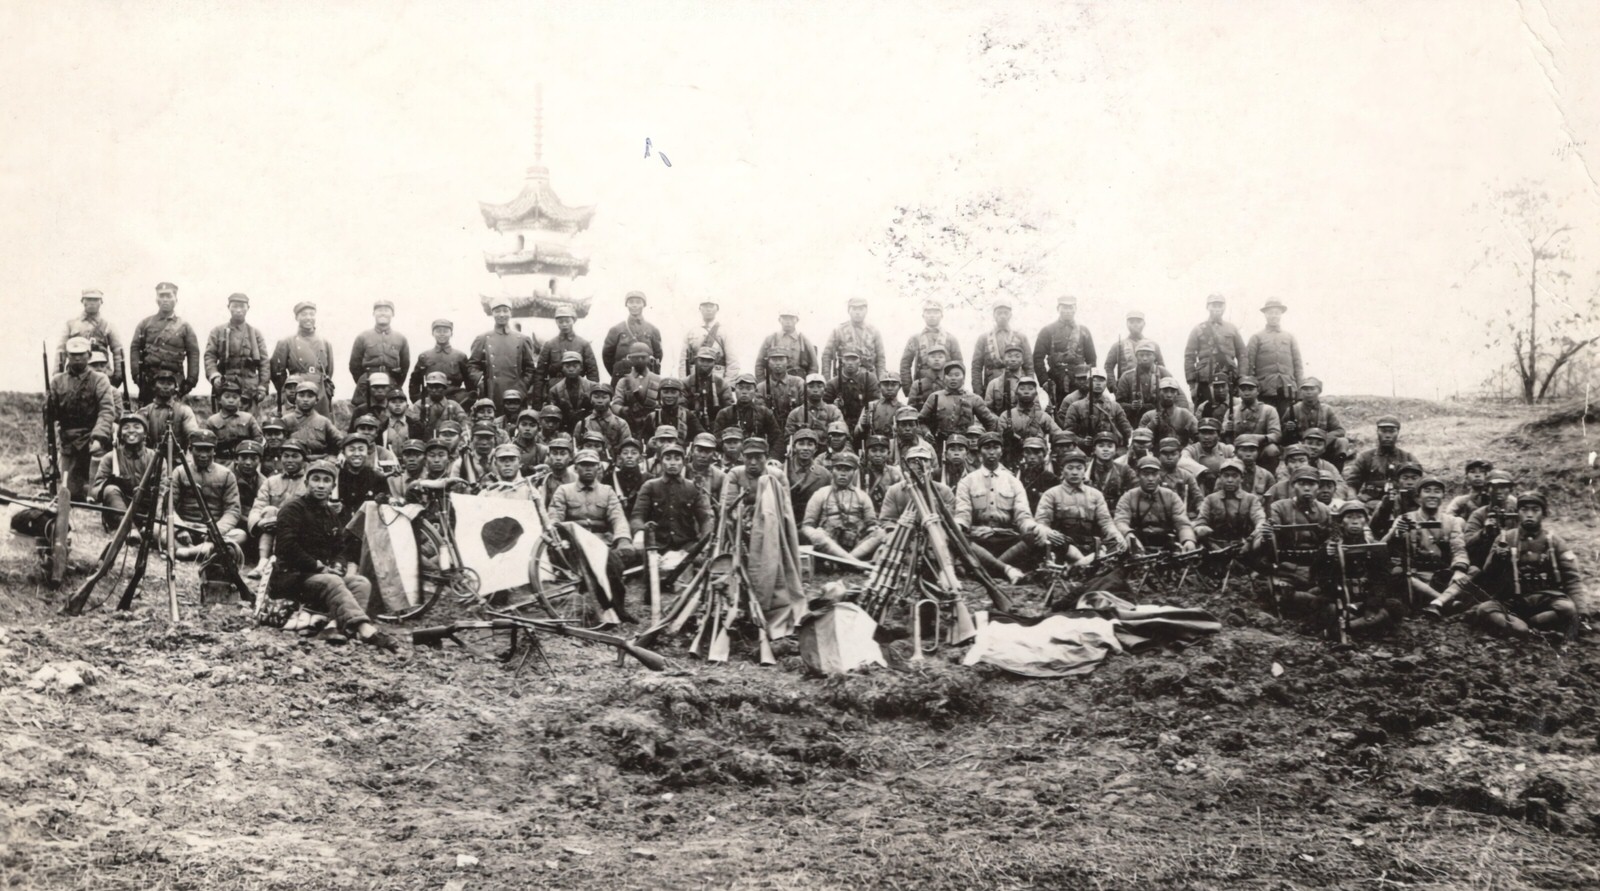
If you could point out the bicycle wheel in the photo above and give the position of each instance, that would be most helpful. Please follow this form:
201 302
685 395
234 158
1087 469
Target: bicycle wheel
429 541
561 583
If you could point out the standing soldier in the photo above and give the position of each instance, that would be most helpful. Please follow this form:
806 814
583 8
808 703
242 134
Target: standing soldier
1215 347
237 351
1025 421
802 355
1097 414
623 335
638 392
815 413
81 403
435 407
1139 390
230 426
852 388
567 341
1120 358
988 354
952 410
304 424
915 362
671 412
1309 413
570 392
304 357
1273 359
442 359
1251 416
503 358
379 349
1168 418
750 417
856 333
919 389
780 389
877 419
709 336
164 341
92 326
706 391
1001 390
1061 345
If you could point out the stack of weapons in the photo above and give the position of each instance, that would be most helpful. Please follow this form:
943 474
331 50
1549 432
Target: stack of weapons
921 537
718 596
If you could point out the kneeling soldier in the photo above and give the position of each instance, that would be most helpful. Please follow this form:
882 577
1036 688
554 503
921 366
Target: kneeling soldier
1363 573
1231 515
1532 577
119 470
839 518
1073 517
1430 551
1153 516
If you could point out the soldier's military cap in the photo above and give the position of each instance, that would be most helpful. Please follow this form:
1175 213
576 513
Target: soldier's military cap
1034 442
1145 346
932 304
248 447
443 323
1106 436
1315 382
666 431
1080 369
706 353
78 345
383 303
856 301
531 413
1296 449
323 466
482 402
812 378
436 377
919 451
202 439
1215 299
838 427
1324 475
1315 433
161 374
635 295
497 302
753 445
1209 424
670 447
351 439
1479 462
937 348
1253 440
748 378
732 433
97 357
1274 303
847 352
846 458
1499 478
560 442
506 450
1074 456
889 376
594 436
129 417
975 430
1533 498
550 411
1304 473
705 441
956 439
1135 314
1410 467
92 294
630 443
989 437
1233 464
876 441
570 356
1169 443
639 348
783 353
302 387
166 288
1098 373
414 445
603 389
271 424
379 379
671 383
1388 421
1144 433
1221 377
1433 481
1149 463
586 456
364 421
1168 383
1027 379
906 413
509 395
448 425
1351 506
293 445
436 445
304 305
1248 381
1013 347
1066 300
804 434
953 363
398 394
709 302
239 297
1001 301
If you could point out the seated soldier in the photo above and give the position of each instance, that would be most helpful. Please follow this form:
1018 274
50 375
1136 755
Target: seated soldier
1151 516
560 451
1376 470
1300 527
837 441
1498 513
877 474
1176 478
1141 445
1428 547
1169 418
1295 459
413 466
118 471
732 442
595 506
472 462
271 444
1397 501
307 426
1099 413
311 568
276 491
486 414
1257 479
529 441
957 463
839 518
230 425
806 476
703 470
1108 474
358 482
1209 452
1074 520
674 506
1362 575
1231 515
379 457
991 506
247 474
505 479
205 479
917 462
1477 493
907 433
1532 577
1036 476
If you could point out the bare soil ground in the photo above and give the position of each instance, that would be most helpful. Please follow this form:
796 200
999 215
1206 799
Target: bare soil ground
215 754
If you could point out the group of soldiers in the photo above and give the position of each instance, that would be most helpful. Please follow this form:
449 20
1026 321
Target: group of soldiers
1047 458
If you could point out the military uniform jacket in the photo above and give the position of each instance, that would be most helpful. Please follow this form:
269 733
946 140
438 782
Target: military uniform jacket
232 430
1188 488
1036 481
1060 346
635 396
898 501
678 416
841 513
877 483
164 343
622 336
1544 563
571 395
1212 459
550 356
175 414
1288 512
101 336
307 358
914 362
1433 549
993 498
276 491
707 397
238 352
1022 422
945 413
1087 417
1260 419
1273 359
1111 478
1121 358
877 419
709 336
387 351
851 394
708 481
1306 417
84 409
1001 391
1078 512
680 509
450 362
864 338
1374 470
309 533
782 396
503 360
1474 530
122 469
1257 480
249 487
428 415
1213 348
314 431
1162 510
802 355
613 428
1231 519
1140 391
754 420
804 482
1176 422
988 355
807 416
220 489
596 507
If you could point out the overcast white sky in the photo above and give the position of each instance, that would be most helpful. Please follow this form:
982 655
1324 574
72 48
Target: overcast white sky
1334 155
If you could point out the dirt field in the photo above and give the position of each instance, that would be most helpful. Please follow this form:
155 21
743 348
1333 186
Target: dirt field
214 754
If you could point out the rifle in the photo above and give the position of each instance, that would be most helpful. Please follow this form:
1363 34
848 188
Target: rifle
7 496
52 473
1342 620
436 636
122 373
222 550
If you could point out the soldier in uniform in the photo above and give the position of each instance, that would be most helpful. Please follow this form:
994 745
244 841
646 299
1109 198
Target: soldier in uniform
916 362
94 327
638 391
217 486
309 427
304 357
1310 413
1169 418
707 392
877 419
1139 390
1074 518
445 360
780 389
992 507
1214 347
802 354
708 336
1209 451
1025 420
1035 473
1120 359
503 358
237 350
228 424
571 392
1273 358
920 390
120 469
703 470
1061 345
1250 416
953 410
596 507
603 421
379 349
1151 515
1532 576
1429 549
1001 390
1477 494
752 418
1231 514
988 354
1376 470
98 362
671 504
671 412
1105 472
815 413
852 388
623 335
805 473
1365 576
398 424
436 407
956 462
839 518
1219 405
164 341
1298 551
247 472
1101 412
863 337
566 341
877 474
1169 453
167 411
80 400
1257 480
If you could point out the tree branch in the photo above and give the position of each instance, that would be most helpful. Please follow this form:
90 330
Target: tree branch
1566 354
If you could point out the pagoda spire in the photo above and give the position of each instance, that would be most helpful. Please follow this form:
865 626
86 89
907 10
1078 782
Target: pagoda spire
538 124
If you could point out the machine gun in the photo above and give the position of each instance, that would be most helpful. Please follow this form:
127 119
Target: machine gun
526 629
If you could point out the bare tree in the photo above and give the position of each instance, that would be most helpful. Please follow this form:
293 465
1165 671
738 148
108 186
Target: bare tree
1550 328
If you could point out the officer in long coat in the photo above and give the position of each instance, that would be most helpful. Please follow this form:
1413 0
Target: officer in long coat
164 342
381 348
502 358
236 351
304 357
